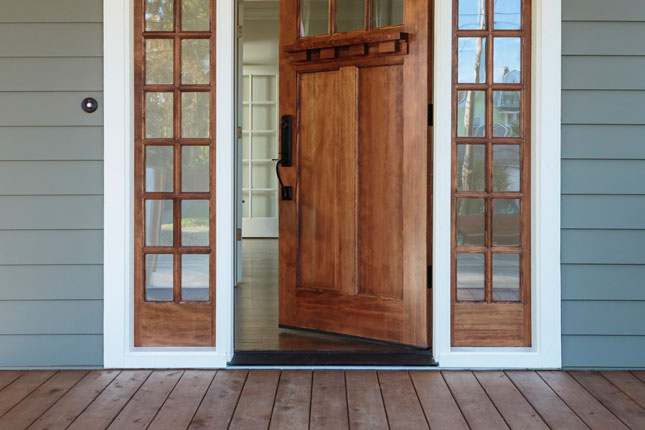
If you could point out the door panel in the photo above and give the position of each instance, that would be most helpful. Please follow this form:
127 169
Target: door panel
353 239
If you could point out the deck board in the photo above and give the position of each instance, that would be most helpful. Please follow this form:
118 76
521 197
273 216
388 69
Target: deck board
515 409
612 398
401 401
321 399
479 411
63 413
100 413
41 399
592 412
439 406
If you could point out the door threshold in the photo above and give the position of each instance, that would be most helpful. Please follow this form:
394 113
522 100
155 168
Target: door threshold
333 358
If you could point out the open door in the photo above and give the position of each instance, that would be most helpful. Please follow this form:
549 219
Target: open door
354 166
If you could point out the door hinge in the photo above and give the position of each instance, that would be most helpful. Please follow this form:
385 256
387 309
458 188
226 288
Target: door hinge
239 132
238 234
429 277
239 31
430 115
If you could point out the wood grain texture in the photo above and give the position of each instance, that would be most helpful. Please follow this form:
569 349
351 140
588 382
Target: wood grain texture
216 410
439 406
329 401
292 401
256 401
364 401
34 405
581 401
100 413
401 402
180 407
479 411
551 408
65 411
626 409
517 412
628 383
13 393
143 406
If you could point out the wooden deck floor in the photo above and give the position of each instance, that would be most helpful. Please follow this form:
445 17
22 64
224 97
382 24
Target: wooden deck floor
323 399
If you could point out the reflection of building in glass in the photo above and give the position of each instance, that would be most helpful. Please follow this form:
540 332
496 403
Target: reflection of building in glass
506 108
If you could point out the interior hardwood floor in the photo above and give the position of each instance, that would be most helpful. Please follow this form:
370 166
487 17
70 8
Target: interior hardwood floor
256 310
321 399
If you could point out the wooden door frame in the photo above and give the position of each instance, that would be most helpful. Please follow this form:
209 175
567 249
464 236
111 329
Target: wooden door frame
118 212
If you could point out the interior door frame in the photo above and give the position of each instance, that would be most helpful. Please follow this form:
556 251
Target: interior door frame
118 351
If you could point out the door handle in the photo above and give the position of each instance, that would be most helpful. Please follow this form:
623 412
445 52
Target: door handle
286 153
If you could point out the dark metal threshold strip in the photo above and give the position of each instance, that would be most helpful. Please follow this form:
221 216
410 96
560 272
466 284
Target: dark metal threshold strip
333 358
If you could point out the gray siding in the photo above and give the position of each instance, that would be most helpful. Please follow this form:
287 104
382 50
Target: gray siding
51 184
603 183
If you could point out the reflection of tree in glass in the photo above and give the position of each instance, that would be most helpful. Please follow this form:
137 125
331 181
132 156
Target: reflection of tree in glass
159 15
195 15
469 112
159 55
195 112
195 56
159 115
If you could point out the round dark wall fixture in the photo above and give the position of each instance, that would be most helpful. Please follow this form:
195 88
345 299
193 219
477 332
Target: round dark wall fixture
90 105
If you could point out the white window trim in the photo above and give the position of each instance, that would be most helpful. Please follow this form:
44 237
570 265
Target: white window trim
545 198
118 194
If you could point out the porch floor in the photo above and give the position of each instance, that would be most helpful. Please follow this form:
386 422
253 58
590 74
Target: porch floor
322 399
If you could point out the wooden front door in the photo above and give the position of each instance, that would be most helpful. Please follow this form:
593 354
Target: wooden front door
353 225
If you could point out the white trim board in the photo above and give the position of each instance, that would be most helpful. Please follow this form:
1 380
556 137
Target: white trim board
118 179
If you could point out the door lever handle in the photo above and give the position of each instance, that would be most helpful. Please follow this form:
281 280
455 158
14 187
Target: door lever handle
286 148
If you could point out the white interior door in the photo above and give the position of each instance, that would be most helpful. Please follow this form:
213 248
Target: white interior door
260 151
239 8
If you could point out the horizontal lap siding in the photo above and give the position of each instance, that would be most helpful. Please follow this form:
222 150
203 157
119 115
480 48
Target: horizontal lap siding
603 183
51 184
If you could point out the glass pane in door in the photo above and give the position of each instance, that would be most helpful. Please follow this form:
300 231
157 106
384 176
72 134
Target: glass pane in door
350 15
386 13
195 15
314 17
159 15
195 61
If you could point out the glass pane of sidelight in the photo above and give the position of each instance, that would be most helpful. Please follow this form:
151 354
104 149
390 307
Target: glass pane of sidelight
471 167
264 117
246 148
159 169
246 175
263 175
195 172
506 222
159 107
245 88
195 15
472 14
506 277
264 204
470 277
245 204
264 89
386 13
350 15
264 146
195 222
246 117
506 113
159 15
471 60
471 114
470 222
507 14
506 168
194 277
159 277
159 61
314 17
195 61
507 60
195 114
159 222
